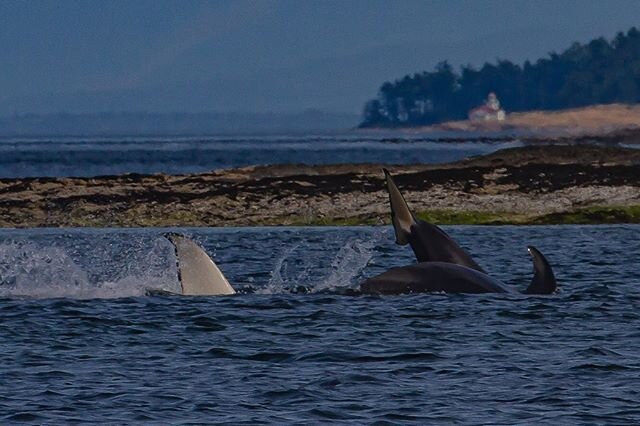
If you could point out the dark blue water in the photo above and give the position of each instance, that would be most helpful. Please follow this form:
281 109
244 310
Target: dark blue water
102 352
178 155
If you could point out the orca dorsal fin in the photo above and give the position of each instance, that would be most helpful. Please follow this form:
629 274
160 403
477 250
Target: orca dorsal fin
401 215
197 272
543 282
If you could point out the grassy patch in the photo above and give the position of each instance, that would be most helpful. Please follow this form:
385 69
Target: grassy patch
148 217
440 217
588 216
593 215
454 217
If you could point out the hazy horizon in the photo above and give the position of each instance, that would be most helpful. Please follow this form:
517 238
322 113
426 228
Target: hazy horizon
272 56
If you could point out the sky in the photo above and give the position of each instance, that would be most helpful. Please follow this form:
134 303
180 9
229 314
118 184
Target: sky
266 56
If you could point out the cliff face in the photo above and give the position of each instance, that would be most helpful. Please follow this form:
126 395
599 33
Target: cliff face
537 184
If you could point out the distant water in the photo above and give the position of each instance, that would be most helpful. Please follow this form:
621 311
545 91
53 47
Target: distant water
81 344
177 155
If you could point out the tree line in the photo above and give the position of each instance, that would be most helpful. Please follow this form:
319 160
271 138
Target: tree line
598 72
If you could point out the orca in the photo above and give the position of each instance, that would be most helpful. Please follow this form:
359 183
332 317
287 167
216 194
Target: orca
443 266
428 277
198 274
429 242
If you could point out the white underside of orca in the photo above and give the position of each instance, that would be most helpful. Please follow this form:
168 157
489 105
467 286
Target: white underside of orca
197 272
401 216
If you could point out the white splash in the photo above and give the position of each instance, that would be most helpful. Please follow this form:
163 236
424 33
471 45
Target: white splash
28 270
344 271
348 263
278 281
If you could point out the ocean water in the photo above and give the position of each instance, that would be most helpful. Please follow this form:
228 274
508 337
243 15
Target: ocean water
81 343
73 156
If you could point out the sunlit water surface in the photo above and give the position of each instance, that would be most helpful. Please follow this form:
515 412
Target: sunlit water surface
81 343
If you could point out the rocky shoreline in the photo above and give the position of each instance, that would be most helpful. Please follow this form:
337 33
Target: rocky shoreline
536 184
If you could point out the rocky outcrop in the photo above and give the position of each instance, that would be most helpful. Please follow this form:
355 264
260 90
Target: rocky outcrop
520 185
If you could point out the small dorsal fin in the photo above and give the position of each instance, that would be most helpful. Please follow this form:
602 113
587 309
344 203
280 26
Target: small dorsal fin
197 272
401 215
544 281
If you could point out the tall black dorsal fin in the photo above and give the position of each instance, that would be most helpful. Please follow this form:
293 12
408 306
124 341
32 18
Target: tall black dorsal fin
544 282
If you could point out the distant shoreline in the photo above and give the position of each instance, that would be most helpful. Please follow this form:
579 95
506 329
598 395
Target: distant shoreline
607 122
536 184
132 124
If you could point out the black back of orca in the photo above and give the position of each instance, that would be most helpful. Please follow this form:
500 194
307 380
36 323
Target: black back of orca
446 277
428 241
431 244
428 277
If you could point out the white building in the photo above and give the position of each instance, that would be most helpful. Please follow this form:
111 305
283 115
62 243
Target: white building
490 111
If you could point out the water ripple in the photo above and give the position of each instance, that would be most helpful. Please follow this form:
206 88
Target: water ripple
74 354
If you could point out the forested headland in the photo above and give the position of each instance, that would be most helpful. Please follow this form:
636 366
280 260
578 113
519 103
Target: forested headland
599 72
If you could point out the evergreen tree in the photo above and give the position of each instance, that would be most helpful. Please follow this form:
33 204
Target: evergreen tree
597 72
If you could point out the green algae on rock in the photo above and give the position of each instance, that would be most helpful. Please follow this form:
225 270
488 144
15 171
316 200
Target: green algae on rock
527 185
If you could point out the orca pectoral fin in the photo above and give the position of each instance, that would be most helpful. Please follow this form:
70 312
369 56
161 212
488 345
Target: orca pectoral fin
197 272
401 216
544 281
